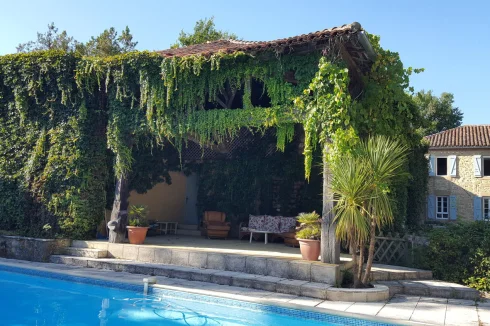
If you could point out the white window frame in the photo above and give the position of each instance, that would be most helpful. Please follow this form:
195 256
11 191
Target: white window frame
486 207
443 214
437 167
483 166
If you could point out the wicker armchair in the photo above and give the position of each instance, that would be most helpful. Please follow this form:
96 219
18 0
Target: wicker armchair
214 225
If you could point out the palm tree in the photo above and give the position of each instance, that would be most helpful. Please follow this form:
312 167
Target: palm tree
385 158
361 182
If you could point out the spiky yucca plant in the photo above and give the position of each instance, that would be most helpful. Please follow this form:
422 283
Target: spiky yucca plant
361 182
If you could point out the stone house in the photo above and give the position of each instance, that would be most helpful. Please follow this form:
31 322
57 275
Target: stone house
459 174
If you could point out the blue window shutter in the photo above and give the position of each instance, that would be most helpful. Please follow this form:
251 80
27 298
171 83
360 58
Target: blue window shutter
432 166
477 208
452 208
431 207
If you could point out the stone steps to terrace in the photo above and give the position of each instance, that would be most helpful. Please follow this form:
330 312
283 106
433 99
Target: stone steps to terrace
431 288
283 267
381 292
238 279
85 252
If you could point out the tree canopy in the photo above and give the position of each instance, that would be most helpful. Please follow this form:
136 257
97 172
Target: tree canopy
204 31
106 44
438 113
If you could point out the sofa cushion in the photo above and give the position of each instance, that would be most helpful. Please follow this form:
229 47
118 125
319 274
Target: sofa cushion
271 224
288 224
256 222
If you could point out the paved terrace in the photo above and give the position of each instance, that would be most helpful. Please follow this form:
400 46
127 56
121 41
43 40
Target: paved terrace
231 246
402 309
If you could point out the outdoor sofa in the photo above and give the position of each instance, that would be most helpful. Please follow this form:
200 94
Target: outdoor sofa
278 226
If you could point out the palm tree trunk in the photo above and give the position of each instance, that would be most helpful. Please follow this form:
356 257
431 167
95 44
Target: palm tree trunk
372 242
360 264
353 251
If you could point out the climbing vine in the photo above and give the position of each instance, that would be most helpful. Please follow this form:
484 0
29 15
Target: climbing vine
59 113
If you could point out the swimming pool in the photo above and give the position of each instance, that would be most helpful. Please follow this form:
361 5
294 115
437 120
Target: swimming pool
57 300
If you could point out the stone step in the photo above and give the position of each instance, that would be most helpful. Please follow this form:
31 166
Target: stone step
289 268
193 227
380 272
85 252
194 233
260 282
431 288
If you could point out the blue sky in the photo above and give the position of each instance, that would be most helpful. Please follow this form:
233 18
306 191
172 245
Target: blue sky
450 39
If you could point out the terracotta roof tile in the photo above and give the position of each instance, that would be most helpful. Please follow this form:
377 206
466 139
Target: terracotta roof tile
464 136
230 46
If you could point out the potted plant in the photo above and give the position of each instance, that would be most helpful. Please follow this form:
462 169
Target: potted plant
138 224
308 235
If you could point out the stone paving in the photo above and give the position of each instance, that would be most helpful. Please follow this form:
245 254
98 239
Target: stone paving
403 309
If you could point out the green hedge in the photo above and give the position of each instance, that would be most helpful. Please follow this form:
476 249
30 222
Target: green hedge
459 253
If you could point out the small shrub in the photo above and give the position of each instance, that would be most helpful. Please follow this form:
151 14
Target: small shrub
137 215
480 279
458 253
310 228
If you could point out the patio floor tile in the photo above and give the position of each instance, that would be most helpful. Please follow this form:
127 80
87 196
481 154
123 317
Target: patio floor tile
366 308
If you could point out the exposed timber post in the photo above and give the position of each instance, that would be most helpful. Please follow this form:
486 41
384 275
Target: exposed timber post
119 214
329 244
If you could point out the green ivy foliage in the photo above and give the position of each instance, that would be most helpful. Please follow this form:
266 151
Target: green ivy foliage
459 253
61 112
49 146
250 183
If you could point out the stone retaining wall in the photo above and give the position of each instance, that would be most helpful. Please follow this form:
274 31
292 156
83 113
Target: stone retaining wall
260 265
32 249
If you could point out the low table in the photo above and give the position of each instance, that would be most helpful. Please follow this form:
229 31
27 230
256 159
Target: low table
164 227
258 231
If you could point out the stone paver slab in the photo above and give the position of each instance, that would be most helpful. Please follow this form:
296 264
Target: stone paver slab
310 302
163 256
461 315
429 312
266 283
216 261
300 270
315 290
278 267
290 286
256 265
180 258
484 315
399 307
335 305
198 259
366 308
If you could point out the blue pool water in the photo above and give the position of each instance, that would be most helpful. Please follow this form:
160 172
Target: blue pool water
33 300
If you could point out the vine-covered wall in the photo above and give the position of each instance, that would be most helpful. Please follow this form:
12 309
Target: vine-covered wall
52 147
59 113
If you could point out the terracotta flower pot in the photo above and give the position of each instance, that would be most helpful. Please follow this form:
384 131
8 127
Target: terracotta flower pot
310 249
137 234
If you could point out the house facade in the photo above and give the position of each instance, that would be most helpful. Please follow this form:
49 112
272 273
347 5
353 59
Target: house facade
459 174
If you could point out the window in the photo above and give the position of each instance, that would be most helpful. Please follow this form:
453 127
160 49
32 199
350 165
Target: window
486 166
442 207
486 208
442 166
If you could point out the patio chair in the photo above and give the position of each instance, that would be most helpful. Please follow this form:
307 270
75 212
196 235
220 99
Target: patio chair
214 225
